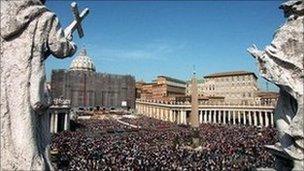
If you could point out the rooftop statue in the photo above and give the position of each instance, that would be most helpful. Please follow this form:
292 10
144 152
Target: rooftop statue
29 34
282 64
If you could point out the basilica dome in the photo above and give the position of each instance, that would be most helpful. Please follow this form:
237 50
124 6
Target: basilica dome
82 62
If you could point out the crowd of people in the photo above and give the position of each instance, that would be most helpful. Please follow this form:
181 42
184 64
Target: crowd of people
149 123
155 147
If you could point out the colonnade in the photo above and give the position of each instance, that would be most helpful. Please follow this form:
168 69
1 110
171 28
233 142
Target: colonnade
256 117
234 115
59 120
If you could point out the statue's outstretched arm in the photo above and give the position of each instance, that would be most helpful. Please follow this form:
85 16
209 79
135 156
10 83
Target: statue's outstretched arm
59 45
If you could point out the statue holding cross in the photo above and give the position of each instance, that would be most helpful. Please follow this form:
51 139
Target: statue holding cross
30 34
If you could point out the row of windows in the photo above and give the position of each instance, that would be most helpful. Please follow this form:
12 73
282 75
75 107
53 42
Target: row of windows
232 78
233 85
235 95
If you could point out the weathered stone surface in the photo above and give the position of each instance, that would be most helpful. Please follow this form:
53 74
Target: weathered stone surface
282 64
30 33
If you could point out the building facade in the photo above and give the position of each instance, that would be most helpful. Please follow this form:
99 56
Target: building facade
234 87
163 87
267 98
85 87
200 87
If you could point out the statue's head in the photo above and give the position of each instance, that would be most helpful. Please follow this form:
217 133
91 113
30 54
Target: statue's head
293 8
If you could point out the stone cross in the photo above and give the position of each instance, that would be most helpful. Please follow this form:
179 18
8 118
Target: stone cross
76 24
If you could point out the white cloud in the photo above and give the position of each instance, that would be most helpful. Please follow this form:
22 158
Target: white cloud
157 50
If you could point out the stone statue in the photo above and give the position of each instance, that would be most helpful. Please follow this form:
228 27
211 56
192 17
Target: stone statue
282 64
29 34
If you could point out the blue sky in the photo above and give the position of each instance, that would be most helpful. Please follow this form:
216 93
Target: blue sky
146 38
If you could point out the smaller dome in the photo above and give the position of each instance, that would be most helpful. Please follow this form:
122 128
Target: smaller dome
82 62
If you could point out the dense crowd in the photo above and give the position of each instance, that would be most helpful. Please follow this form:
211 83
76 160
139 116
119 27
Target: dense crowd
149 123
224 147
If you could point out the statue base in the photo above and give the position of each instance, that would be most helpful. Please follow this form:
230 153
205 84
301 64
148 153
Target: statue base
195 138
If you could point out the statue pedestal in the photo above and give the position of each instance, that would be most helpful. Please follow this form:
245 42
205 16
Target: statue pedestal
195 138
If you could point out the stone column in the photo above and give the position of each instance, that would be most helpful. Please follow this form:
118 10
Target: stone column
205 116
154 112
202 116
250 117
179 117
56 122
168 115
244 118
161 114
218 116
184 117
180 114
266 119
233 115
66 121
255 118
209 116
271 119
173 115
221 117
51 123
260 118
224 117
142 109
239 117
229 117
150 111
146 109
214 116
